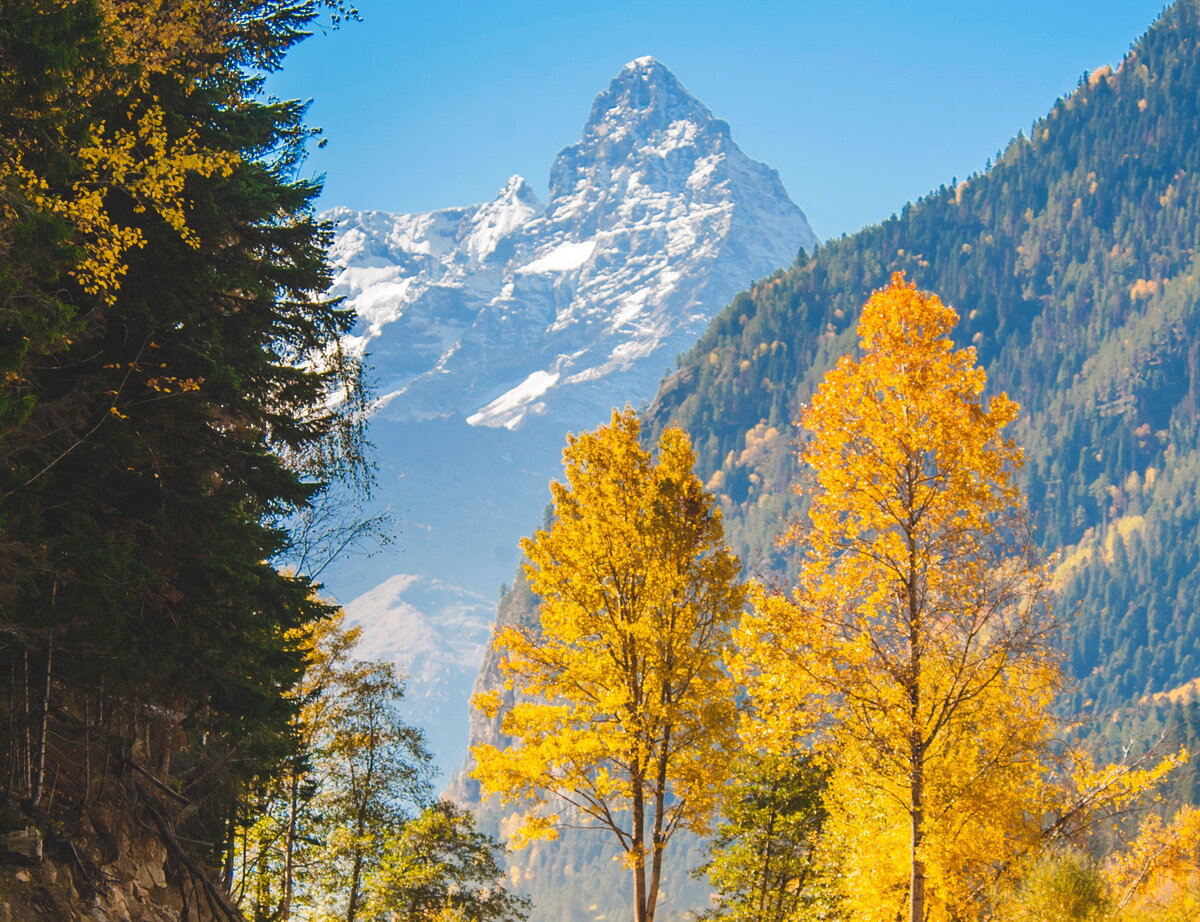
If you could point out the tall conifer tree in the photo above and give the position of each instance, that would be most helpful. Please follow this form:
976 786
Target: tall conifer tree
172 389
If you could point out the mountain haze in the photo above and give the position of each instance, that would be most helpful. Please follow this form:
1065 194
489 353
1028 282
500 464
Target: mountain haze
492 330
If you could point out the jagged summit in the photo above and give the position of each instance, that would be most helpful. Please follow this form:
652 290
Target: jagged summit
496 312
644 100
645 87
514 205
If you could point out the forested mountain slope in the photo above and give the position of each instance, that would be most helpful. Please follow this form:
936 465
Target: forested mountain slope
1073 262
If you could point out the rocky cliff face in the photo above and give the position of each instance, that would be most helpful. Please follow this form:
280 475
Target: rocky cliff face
495 329
114 861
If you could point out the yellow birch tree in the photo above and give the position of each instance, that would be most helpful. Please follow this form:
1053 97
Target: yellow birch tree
916 644
623 714
1158 876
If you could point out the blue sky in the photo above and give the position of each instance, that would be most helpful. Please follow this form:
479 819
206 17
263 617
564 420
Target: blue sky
862 105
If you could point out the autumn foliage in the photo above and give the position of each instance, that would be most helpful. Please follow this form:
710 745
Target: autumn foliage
915 644
624 718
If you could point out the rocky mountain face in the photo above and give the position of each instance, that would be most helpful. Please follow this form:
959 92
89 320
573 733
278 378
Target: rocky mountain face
493 330
511 309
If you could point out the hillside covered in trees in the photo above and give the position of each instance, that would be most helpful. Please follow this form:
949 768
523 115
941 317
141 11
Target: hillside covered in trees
1073 260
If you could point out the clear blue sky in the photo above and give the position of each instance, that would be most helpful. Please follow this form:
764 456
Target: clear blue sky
862 105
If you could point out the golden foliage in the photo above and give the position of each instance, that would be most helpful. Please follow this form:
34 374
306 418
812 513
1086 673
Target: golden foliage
1158 876
143 158
621 701
151 37
913 649
145 163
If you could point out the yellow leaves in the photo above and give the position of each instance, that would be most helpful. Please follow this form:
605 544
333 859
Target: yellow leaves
487 703
912 651
138 154
1158 876
145 163
150 166
638 592
541 827
1089 789
168 384
149 37
900 321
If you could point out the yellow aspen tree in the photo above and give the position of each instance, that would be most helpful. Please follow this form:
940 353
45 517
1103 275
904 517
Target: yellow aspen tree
624 717
1157 877
916 647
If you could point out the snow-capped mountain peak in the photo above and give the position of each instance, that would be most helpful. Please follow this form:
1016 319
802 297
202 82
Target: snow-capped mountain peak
494 312
644 96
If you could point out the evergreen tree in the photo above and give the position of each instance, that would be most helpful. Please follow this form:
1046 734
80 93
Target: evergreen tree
172 390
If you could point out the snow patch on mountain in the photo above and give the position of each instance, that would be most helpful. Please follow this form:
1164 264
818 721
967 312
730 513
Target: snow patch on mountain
503 411
563 258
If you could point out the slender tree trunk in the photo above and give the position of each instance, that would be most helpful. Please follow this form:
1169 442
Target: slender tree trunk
639 852
660 795
289 848
656 855
355 884
916 888
764 888
229 851
87 750
26 727
38 781
360 829
916 907
13 728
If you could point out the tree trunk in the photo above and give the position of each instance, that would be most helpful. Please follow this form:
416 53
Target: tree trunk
639 853
229 856
655 861
916 905
916 741
38 781
764 890
289 848
14 747
355 884
660 794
